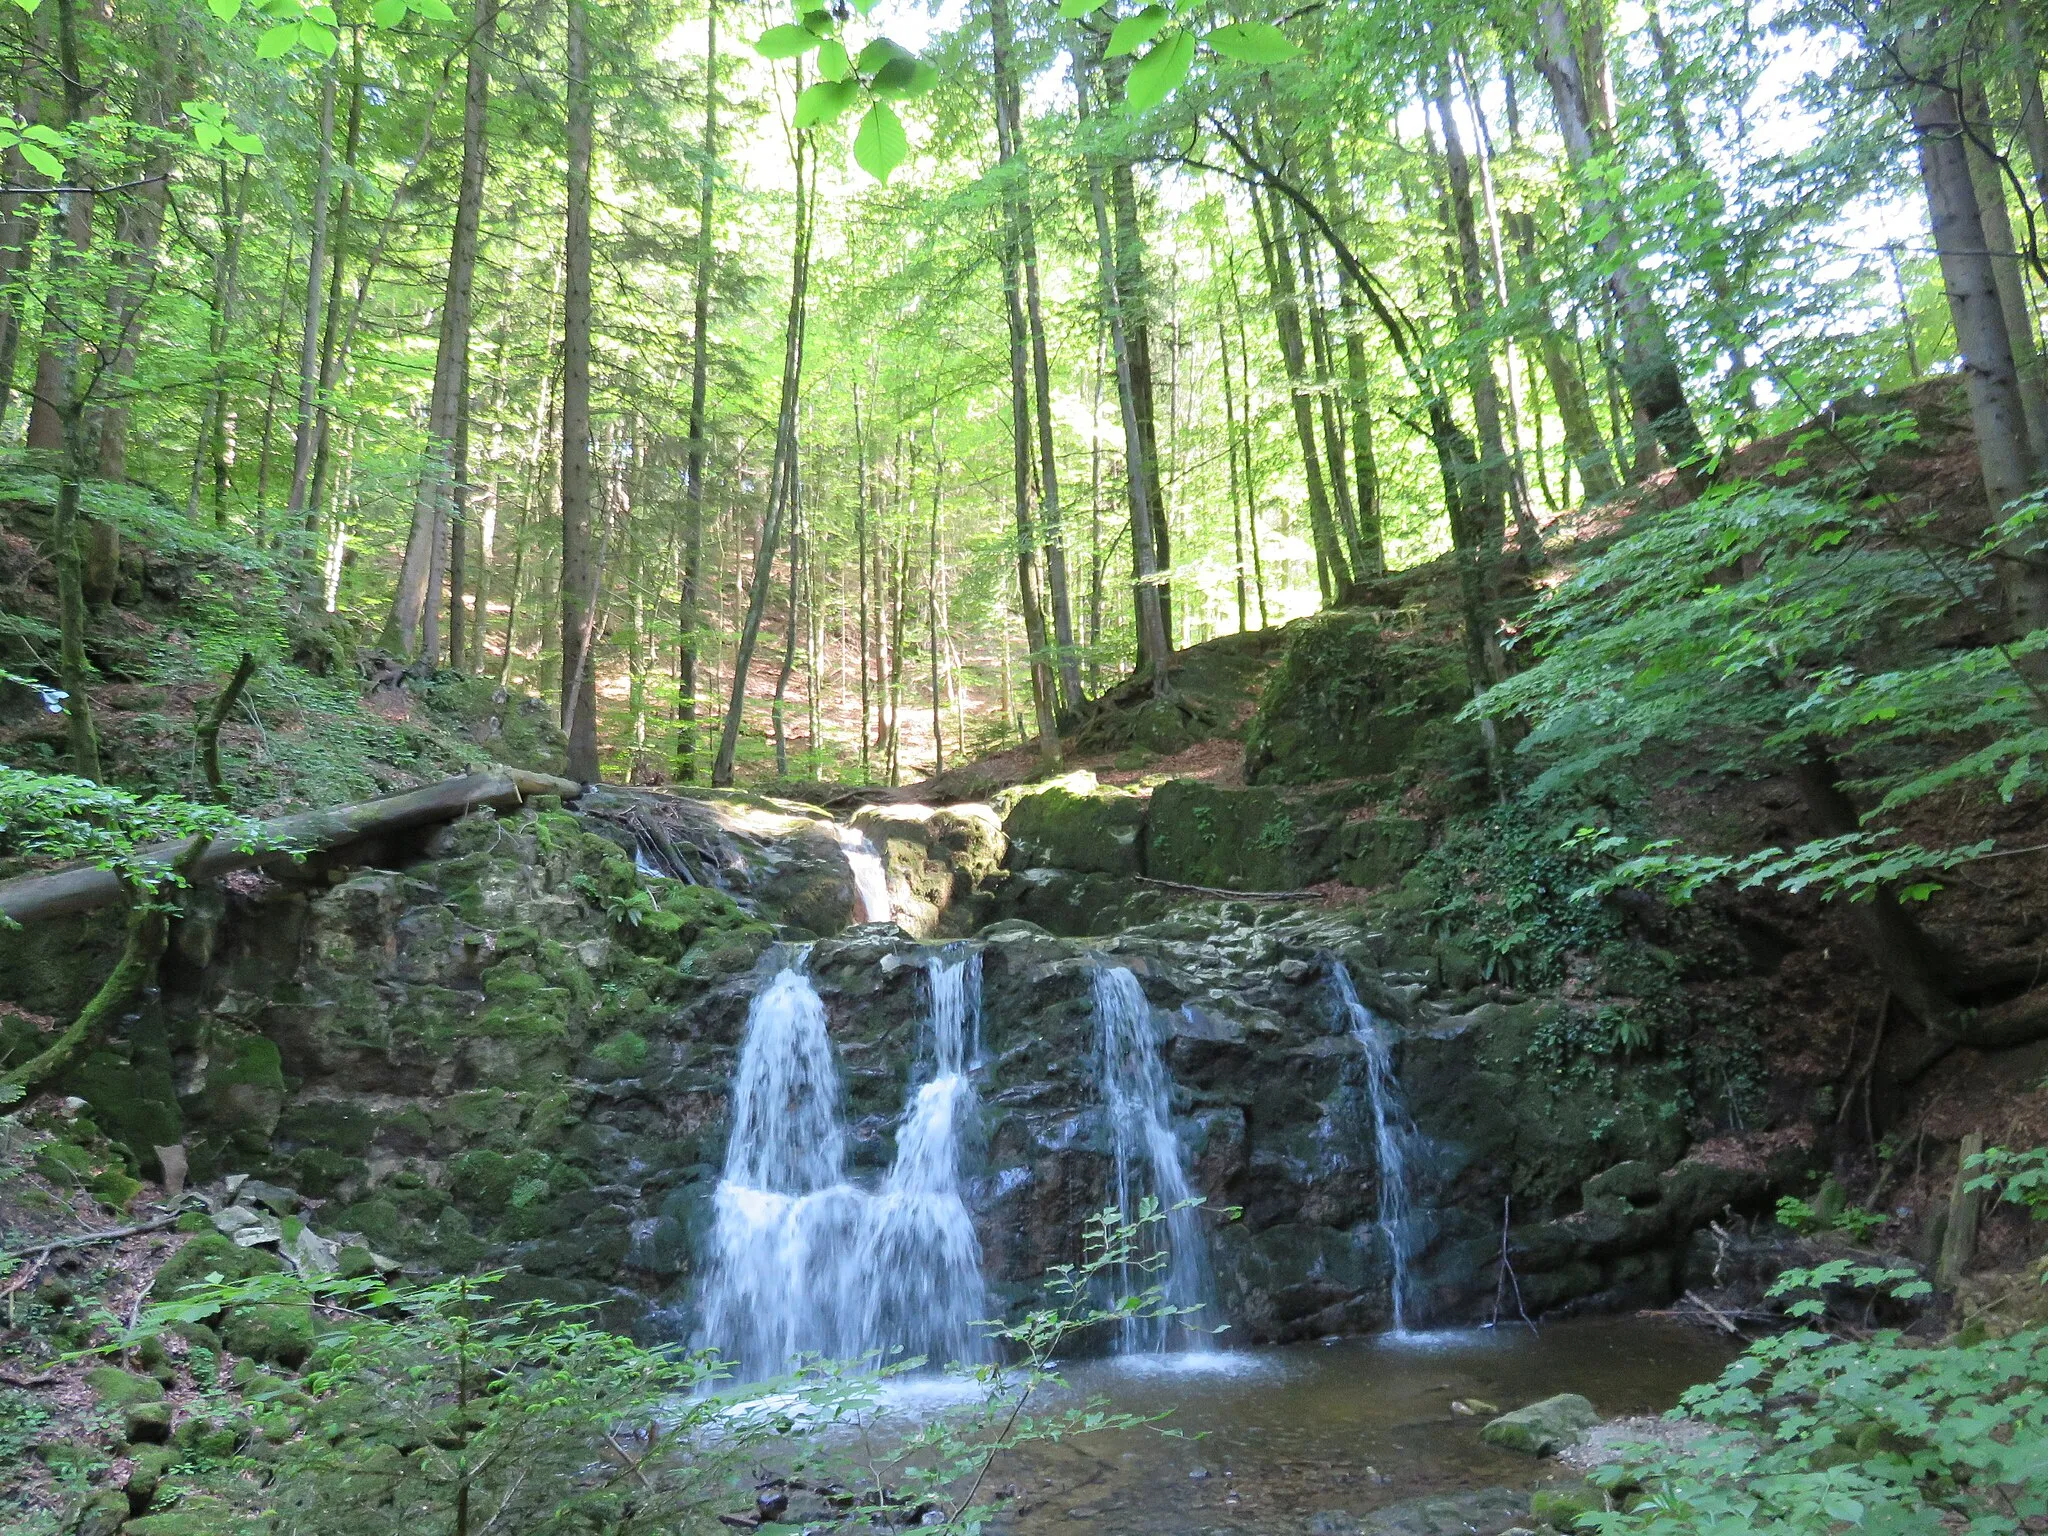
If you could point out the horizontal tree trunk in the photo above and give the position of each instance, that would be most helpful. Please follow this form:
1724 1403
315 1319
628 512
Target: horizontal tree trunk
81 888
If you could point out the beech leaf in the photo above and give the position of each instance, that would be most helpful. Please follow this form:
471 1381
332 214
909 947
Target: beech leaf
1252 42
881 144
1134 32
1155 75
785 42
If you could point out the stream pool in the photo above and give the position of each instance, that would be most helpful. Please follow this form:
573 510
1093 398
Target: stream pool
1303 1439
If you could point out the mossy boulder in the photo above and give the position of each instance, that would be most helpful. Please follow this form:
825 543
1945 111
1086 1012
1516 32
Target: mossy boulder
244 1094
280 1332
1542 1429
1075 823
1254 839
1213 686
145 1415
1380 851
1349 699
1560 1508
510 727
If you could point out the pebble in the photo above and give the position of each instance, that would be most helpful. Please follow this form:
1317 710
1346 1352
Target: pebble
1198 1472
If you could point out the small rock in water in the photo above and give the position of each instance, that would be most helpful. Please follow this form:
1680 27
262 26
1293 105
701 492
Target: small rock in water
1545 1428
1332 1522
1198 1472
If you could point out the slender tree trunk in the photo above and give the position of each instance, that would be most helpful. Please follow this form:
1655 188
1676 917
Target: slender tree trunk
579 571
330 325
213 445
860 547
1135 286
1230 451
1648 365
1583 443
1251 476
411 627
1331 568
1488 496
1322 357
688 619
1044 697
785 450
309 331
790 620
1149 601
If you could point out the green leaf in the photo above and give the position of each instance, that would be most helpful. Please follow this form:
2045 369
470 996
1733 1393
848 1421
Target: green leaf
785 42
1251 42
245 143
833 64
433 10
880 52
278 41
880 145
1155 75
863 6
820 23
825 102
900 78
1134 32
388 13
206 135
1074 10
224 10
317 39
42 160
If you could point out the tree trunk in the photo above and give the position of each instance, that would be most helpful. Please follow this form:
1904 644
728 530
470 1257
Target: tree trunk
411 627
1583 445
688 619
1135 287
2005 450
1044 696
1485 500
579 570
785 451
212 451
1987 176
1331 568
1648 366
1148 600
309 330
330 326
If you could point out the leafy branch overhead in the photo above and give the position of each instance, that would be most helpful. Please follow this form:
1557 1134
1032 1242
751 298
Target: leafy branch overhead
880 73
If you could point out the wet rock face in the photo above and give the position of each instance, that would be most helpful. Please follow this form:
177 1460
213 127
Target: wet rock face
517 1053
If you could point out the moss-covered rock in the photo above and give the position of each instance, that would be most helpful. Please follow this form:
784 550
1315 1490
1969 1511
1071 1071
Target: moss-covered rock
1542 1429
1255 839
1348 699
1074 823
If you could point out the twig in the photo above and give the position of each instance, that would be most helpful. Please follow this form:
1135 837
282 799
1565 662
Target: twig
1727 1324
1217 890
1505 1275
86 1239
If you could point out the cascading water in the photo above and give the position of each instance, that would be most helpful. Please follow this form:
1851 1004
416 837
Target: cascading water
870 880
1136 1094
1392 1133
802 1262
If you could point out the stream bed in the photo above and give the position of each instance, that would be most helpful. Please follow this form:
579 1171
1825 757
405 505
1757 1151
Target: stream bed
1310 1439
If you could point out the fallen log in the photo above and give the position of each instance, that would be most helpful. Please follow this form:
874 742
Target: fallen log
82 887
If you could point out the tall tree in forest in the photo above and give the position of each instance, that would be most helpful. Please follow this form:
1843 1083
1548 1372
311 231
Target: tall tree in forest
785 452
580 572
695 451
1154 644
412 627
1571 56
305 420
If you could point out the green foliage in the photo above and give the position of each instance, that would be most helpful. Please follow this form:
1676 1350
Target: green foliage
1741 624
420 1402
2018 1177
1502 884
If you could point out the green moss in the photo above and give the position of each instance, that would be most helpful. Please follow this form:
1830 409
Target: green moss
114 1189
1348 700
1260 839
332 1125
207 1254
1074 823
625 1051
133 1096
64 1163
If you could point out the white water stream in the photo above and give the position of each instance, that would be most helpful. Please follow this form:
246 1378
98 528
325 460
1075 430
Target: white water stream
801 1261
1149 1161
1393 1133
870 880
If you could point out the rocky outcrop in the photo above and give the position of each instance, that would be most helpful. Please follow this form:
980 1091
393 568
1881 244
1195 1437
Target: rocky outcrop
515 1052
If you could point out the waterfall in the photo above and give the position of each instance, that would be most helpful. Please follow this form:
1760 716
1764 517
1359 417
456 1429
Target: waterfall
870 881
801 1261
1392 1133
1136 1095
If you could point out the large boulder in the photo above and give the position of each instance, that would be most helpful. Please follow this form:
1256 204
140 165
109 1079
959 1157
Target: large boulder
1353 695
1075 823
936 858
